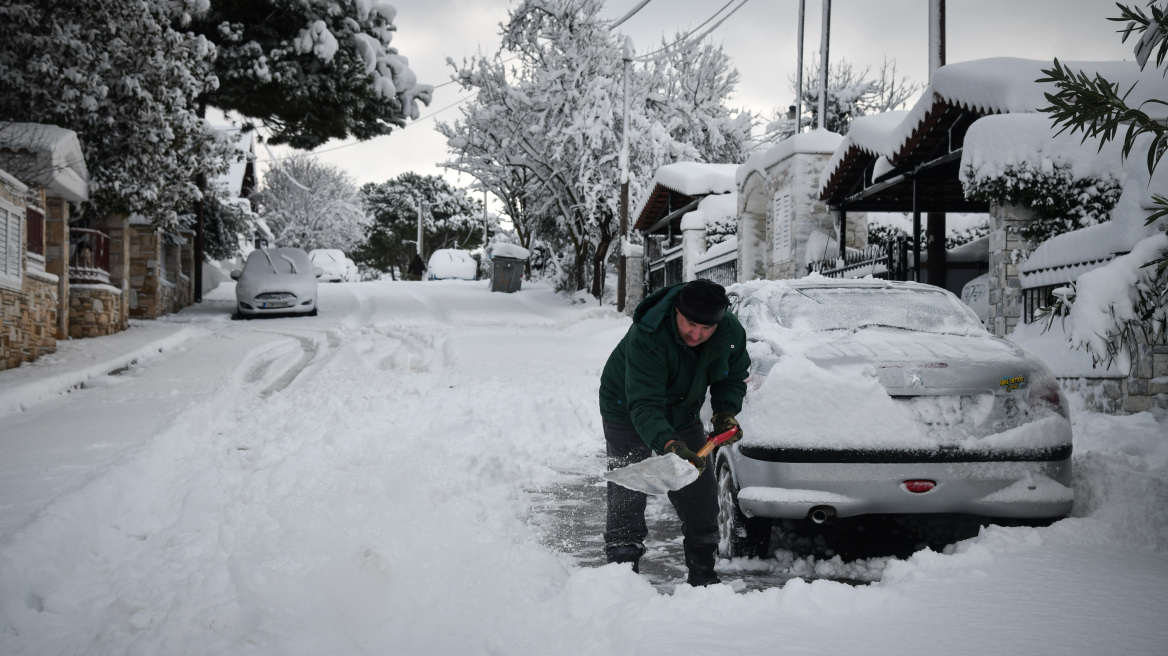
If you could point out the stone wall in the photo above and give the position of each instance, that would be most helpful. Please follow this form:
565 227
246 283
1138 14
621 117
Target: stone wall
146 296
1145 390
28 320
95 311
119 231
1007 250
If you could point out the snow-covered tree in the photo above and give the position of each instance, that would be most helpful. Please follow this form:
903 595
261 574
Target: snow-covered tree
450 219
309 204
118 74
311 70
550 105
850 93
1125 302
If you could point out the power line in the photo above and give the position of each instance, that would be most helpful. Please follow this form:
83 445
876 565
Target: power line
691 32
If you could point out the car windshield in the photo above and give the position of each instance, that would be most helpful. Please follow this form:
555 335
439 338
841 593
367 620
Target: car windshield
266 261
841 308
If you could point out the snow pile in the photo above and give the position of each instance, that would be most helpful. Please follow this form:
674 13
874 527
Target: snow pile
1051 345
795 397
711 208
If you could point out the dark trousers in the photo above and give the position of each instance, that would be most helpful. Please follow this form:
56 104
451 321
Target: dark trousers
696 505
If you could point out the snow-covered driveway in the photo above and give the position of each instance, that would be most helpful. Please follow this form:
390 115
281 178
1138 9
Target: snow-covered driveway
374 480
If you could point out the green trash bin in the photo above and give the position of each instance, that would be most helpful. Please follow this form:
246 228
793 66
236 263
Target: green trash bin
506 274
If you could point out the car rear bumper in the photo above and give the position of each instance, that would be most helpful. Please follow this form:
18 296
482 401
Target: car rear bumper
999 488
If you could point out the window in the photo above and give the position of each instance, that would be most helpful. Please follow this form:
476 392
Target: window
11 245
1036 298
782 216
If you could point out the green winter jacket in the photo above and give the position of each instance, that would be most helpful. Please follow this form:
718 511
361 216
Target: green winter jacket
655 383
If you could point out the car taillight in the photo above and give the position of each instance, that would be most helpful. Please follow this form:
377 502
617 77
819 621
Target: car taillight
1048 393
919 486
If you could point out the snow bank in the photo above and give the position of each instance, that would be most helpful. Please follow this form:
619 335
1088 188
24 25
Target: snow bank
77 362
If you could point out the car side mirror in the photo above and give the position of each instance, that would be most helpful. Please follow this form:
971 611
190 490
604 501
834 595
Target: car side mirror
318 271
236 274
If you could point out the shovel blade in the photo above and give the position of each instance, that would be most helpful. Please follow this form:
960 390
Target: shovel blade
655 475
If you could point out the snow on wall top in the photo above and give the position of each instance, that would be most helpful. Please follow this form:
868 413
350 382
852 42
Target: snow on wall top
694 179
710 208
691 179
998 85
995 143
57 154
821 142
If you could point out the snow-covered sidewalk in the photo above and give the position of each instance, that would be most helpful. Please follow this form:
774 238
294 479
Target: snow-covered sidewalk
364 481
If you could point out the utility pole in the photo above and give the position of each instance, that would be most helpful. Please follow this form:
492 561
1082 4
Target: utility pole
622 261
938 266
419 227
799 72
486 221
824 40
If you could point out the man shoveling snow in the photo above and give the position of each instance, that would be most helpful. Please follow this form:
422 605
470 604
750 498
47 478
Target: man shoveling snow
682 342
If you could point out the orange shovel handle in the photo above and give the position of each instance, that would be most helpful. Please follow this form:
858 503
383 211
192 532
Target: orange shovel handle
715 441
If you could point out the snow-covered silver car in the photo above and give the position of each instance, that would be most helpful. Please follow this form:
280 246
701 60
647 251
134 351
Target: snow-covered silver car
870 397
276 281
332 262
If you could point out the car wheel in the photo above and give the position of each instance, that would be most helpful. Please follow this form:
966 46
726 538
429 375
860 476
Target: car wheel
312 313
739 536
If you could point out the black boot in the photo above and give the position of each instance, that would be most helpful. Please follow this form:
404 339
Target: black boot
625 553
700 561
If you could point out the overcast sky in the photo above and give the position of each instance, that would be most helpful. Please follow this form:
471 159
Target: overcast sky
760 39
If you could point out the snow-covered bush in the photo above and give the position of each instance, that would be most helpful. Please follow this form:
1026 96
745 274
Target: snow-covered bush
1060 201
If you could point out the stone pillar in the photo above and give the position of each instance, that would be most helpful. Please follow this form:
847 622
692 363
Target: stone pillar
1008 250
118 229
57 257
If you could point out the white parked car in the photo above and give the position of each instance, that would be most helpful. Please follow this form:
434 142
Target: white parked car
448 263
870 397
332 262
276 281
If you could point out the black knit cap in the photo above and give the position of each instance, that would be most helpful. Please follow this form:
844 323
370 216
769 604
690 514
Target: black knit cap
703 302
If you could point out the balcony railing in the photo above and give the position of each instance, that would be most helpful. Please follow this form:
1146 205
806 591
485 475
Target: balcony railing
89 257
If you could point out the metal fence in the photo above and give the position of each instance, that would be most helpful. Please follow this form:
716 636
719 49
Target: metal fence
89 257
724 273
887 261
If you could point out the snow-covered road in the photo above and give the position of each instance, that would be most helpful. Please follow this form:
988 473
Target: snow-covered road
376 480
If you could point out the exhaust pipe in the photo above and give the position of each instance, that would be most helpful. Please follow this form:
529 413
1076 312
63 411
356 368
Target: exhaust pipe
819 514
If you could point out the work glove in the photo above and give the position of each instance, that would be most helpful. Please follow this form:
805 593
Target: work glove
724 421
678 448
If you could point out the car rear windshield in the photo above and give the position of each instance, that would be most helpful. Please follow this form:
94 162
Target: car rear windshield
834 308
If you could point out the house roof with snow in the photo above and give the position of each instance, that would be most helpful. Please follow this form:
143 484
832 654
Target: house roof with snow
46 157
678 187
885 156
240 178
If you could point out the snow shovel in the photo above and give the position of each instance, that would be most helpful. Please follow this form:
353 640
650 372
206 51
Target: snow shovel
660 474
